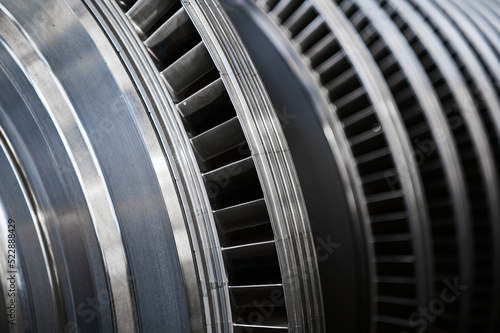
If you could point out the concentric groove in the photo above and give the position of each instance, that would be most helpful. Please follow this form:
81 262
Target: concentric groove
425 42
489 13
482 19
230 176
251 246
478 83
438 161
480 36
395 153
483 85
369 145
204 283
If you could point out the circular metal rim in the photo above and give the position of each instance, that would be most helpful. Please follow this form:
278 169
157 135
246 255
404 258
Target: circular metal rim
270 153
340 28
325 112
469 112
491 103
397 138
274 166
430 106
126 320
207 308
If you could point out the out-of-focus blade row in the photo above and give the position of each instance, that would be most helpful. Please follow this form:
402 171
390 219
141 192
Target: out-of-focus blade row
407 97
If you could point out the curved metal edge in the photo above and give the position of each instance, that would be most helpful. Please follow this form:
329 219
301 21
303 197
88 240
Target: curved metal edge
489 96
398 140
194 227
490 10
478 33
484 20
273 162
22 317
41 76
478 75
468 110
430 106
333 131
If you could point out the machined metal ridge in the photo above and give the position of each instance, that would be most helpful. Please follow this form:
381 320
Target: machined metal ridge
484 85
478 35
397 137
488 85
112 248
490 10
333 128
431 107
338 28
492 4
487 98
45 255
309 255
427 97
463 98
486 28
273 163
209 298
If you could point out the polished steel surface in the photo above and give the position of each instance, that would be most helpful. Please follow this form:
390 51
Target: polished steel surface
454 187
250 166
154 201
91 208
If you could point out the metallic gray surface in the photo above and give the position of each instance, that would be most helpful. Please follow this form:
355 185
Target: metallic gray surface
331 132
272 157
143 218
116 227
398 140
487 94
442 134
102 169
